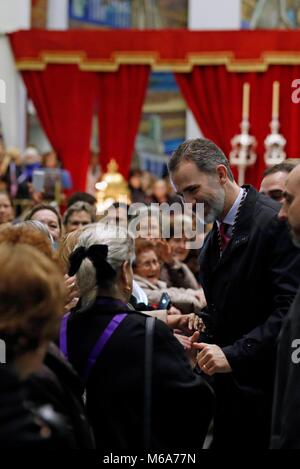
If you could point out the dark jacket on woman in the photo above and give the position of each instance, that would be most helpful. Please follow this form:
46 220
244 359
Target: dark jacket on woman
57 384
25 425
115 388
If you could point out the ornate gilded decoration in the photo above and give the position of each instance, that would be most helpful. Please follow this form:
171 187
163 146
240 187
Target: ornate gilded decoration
112 187
184 65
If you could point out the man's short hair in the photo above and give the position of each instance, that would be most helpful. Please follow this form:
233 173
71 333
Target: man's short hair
279 168
81 197
79 207
204 153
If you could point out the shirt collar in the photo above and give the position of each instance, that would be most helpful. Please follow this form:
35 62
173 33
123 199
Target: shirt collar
230 217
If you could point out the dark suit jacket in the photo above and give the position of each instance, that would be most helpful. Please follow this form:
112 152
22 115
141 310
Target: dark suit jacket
286 415
249 291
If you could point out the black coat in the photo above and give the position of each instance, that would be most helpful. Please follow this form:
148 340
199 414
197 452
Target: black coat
286 410
115 389
25 426
249 291
57 384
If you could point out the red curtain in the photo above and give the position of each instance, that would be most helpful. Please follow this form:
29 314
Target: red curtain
215 98
64 97
63 94
121 98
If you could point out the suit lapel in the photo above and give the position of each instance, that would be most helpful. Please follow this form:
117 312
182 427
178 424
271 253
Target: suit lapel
210 253
240 236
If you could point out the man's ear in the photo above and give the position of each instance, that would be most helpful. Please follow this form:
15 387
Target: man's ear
222 173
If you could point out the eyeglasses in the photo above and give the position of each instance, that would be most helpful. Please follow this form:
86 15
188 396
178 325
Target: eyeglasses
149 264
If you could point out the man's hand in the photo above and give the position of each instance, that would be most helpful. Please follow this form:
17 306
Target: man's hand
211 359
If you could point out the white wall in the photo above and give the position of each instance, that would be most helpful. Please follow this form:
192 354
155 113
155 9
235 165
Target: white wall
214 14
205 15
13 111
14 14
58 17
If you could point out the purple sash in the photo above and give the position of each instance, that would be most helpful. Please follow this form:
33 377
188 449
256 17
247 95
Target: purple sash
100 344
63 335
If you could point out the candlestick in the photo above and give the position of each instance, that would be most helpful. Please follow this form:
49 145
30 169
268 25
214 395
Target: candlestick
275 100
246 100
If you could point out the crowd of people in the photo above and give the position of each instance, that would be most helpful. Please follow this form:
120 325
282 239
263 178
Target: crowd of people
86 367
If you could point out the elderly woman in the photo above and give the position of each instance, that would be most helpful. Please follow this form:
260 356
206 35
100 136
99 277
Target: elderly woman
147 269
105 342
186 323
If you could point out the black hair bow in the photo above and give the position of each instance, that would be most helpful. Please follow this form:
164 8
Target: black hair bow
98 256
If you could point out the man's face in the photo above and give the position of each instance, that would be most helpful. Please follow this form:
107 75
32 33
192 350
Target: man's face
199 187
274 185
290 210
78 220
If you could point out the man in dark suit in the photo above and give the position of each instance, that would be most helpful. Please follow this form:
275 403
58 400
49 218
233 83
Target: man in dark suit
286 415
250 272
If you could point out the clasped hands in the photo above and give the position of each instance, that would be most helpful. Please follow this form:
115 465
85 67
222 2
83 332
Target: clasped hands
210 357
